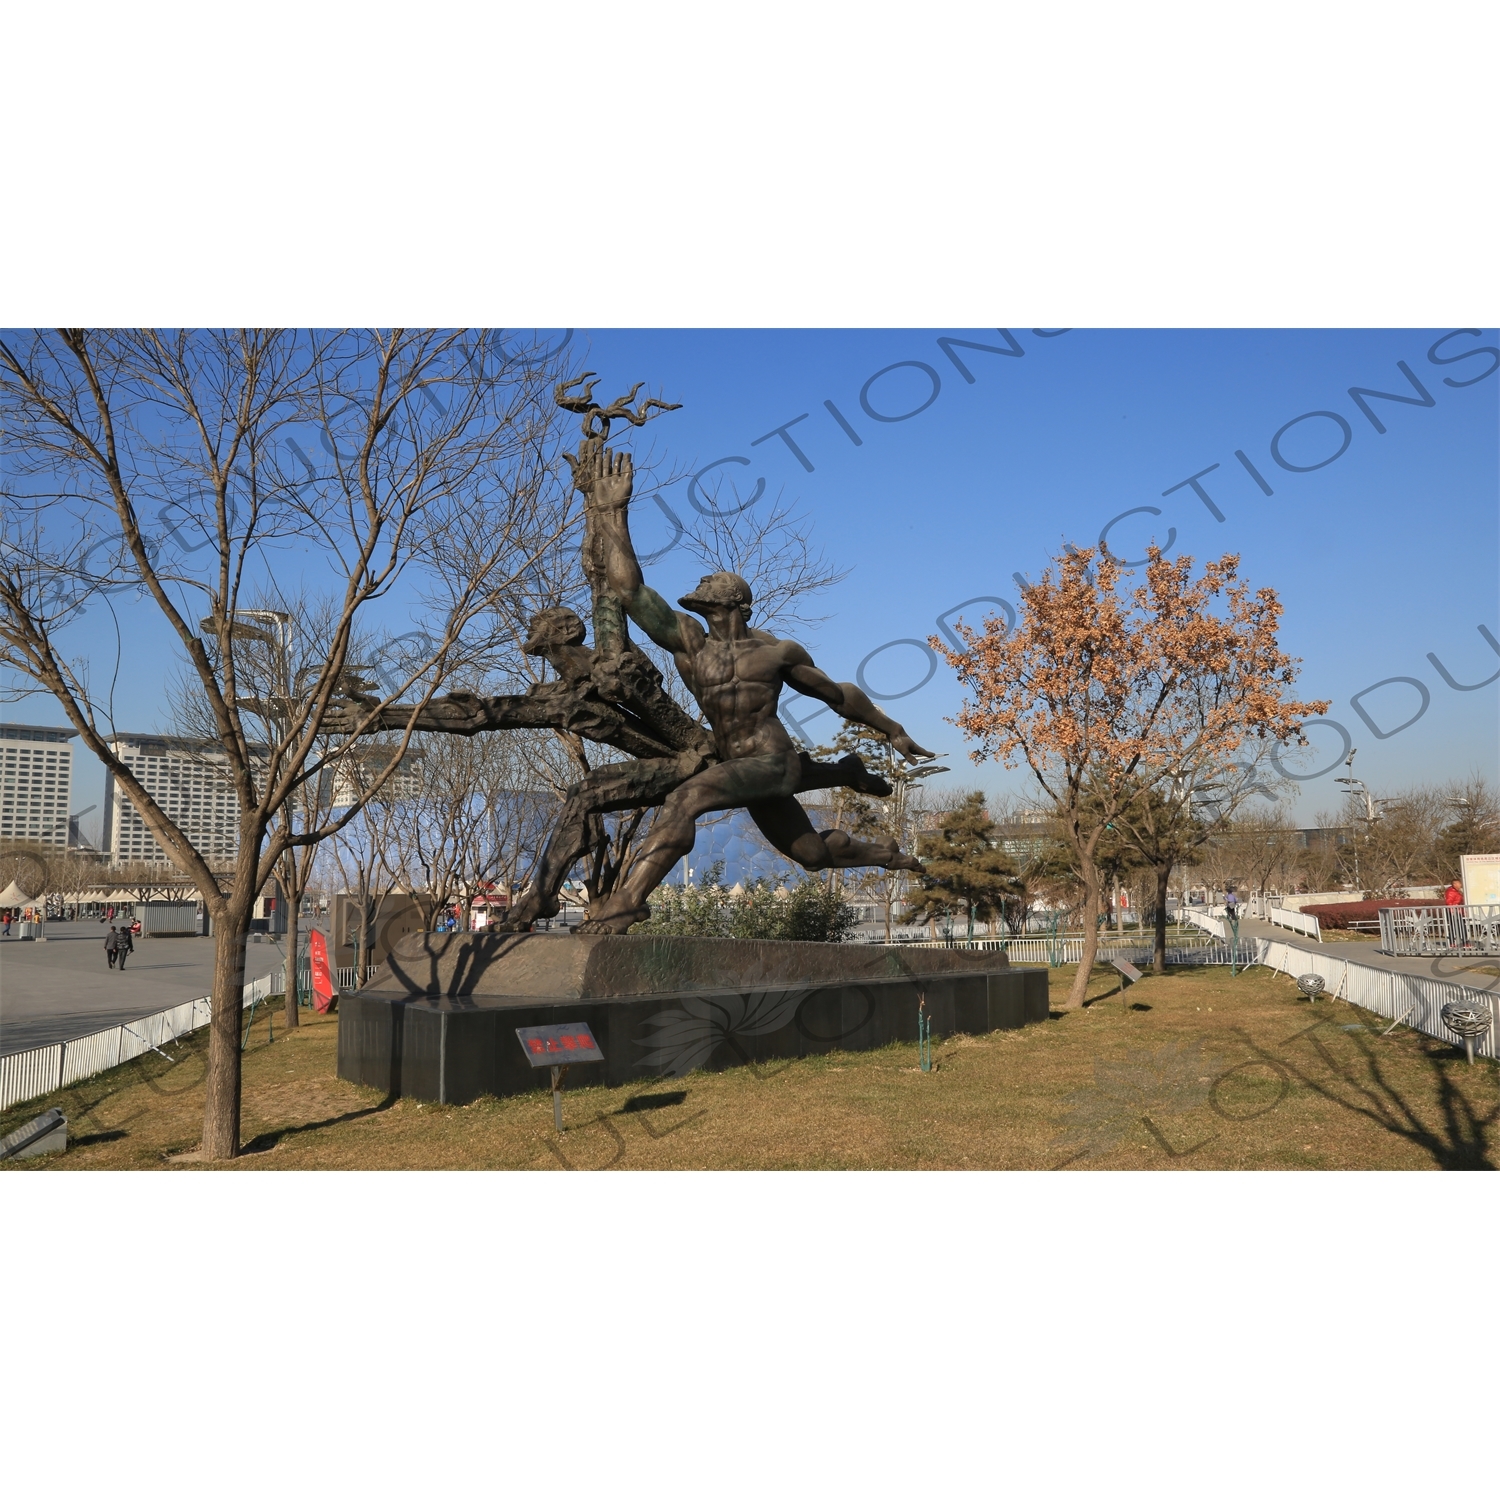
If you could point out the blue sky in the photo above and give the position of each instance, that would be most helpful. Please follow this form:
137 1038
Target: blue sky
1382 555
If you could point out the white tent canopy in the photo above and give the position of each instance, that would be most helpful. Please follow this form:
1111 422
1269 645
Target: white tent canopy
13 895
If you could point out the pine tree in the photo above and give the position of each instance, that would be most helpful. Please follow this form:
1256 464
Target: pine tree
964 869
866 817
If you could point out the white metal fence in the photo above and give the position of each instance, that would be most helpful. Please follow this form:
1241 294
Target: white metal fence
1431 931
1069 950
1212 925
29 1075
344 978
1410 998
1295 921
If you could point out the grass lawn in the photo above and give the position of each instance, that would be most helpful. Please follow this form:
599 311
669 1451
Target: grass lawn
1201 1071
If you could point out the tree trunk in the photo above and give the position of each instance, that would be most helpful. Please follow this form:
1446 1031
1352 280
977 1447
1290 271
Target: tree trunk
221 1102
293 899
1159 957
1091 907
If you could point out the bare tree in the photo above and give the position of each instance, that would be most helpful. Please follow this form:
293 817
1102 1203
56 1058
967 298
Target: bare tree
773 551
178 465
360 863
470 817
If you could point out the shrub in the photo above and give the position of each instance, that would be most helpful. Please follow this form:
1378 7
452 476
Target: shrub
808 912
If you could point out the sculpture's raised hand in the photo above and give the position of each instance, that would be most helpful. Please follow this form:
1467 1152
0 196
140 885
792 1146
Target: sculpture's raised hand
614 478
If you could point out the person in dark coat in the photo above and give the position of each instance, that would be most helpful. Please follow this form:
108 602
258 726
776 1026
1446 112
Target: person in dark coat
126 945
112 946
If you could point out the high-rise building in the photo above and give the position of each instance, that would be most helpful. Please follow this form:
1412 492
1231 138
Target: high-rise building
36 783
355 773
189 780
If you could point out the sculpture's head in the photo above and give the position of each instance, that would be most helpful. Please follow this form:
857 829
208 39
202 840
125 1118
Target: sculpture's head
719 591
552 629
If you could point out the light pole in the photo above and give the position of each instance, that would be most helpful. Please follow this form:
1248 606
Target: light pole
1359 791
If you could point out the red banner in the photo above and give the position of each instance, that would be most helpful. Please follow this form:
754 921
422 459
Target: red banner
322 975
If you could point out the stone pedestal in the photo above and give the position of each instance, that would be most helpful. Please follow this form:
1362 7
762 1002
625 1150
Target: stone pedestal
438 1021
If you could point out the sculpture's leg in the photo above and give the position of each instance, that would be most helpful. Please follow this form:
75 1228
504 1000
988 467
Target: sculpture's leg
730 784
641 783
849 771
787 828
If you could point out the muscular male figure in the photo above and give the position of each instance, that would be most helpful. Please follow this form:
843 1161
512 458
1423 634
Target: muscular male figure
736 674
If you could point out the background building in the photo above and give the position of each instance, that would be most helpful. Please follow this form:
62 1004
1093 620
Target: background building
36 783
354 773
190 781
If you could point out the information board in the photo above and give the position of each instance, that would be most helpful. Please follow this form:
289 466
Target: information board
547 1046
1481 879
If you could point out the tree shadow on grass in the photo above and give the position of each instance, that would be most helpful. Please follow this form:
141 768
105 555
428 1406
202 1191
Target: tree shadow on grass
1457 1144
269 1140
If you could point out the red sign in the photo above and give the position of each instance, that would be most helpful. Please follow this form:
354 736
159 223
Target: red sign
570 1043
322 975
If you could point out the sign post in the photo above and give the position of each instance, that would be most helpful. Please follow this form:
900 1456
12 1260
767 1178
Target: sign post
558 1047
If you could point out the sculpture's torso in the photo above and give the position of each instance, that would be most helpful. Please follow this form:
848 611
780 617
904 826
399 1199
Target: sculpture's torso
737 684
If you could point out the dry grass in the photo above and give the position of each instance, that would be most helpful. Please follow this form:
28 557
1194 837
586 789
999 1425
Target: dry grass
1204 1072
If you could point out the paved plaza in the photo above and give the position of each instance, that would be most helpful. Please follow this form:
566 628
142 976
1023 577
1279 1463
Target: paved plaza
63 988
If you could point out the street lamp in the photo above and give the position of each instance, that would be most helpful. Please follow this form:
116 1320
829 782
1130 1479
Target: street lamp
1358 790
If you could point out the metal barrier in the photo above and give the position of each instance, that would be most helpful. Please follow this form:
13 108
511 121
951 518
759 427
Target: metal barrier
1210 924
344 978
1410 998
1295 921
1055 951
30 1074
1440 931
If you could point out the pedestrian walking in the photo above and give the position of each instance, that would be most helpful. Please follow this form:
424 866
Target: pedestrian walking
7 921
112 946
126 945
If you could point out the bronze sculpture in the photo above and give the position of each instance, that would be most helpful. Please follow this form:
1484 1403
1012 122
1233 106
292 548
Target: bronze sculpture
736 675
613 694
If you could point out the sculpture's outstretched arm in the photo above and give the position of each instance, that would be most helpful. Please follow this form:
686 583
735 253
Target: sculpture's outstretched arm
551 705
847 700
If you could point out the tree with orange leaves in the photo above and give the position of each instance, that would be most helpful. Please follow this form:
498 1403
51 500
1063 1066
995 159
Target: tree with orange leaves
1107 692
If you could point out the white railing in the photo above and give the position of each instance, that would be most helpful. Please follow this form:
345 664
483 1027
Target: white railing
1295 921
1410 998
1212 925
344 978
1431 931
29 1075
1069 950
